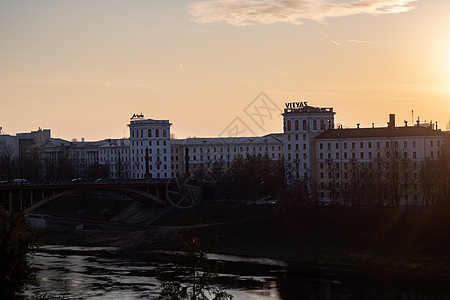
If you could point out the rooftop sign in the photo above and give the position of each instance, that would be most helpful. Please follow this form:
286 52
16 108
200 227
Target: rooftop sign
294 105
137 116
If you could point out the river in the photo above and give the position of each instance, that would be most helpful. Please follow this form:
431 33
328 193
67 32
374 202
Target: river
115 273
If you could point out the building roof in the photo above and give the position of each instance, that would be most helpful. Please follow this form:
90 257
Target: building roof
56 142
381 132
269 138
308 109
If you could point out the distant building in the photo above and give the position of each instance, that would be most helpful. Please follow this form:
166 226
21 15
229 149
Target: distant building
150 148
23 142
302 124
211 157
346 157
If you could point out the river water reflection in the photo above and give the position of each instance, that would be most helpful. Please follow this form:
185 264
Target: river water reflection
114 273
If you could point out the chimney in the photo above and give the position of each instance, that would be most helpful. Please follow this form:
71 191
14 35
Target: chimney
391 123
357 125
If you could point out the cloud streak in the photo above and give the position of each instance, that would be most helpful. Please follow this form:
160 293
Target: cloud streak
250 12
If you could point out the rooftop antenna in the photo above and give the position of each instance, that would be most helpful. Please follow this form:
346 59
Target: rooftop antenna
412 116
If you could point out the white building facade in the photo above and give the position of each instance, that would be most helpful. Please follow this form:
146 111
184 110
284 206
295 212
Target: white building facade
150 148
346 159
302 124
212 156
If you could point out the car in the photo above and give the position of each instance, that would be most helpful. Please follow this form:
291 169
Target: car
100 180
20 181
77 180
4 182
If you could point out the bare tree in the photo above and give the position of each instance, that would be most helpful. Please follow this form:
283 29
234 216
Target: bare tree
7 162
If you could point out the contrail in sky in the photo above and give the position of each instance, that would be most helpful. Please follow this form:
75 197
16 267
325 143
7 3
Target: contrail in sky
283 72
362 42
181 67
334 42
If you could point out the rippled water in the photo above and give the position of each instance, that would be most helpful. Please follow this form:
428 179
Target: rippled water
108 273
115 273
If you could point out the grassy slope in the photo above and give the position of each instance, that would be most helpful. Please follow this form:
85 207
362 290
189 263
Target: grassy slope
414 242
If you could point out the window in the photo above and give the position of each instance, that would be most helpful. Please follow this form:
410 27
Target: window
337 145
320 146
396 144
304 125
414 144
156 132
378 145
353 145
387 144
289 125
296 125
431 144
149 133
322 125
414 154
370 145
345 145
438 143
329 146
345 154
314 124
405 144
361 145
164 133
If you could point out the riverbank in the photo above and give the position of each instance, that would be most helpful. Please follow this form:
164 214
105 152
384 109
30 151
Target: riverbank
405 244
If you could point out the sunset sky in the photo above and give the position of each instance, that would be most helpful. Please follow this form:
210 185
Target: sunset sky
82 68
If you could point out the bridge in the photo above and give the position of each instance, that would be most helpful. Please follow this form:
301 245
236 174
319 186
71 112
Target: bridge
27 197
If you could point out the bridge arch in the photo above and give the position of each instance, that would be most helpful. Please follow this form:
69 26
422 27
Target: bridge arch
135 194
